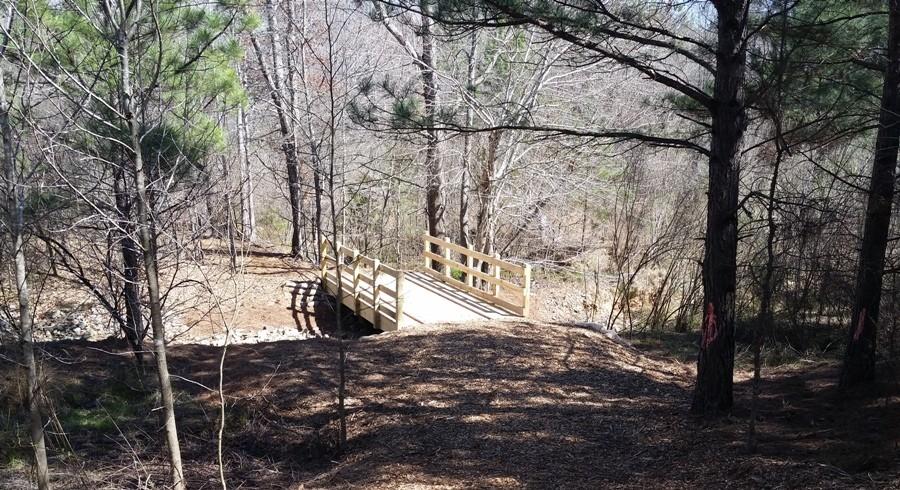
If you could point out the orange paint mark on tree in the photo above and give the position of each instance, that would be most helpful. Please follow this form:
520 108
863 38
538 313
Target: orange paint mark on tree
710 328
860 325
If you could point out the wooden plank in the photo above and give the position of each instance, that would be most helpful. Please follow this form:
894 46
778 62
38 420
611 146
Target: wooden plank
366 261
400 299
344 250
515 288
356 281
384 269
387 291
448 264
323 253
363 277
514 308
509 266
470 265
366 309
376 296
497 268
526 310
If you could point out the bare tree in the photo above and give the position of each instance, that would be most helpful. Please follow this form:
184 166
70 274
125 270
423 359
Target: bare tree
15 224
248 207
122 21
283 97
425 62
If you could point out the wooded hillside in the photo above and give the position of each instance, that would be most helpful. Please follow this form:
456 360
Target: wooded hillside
703 189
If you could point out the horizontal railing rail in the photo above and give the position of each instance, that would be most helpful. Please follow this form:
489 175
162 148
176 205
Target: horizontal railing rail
511 292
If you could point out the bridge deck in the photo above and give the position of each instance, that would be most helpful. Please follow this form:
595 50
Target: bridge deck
426 301
377 292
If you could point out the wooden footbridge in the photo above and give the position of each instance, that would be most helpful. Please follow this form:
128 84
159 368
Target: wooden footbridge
456 284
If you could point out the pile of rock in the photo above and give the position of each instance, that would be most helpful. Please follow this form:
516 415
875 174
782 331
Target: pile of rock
610 333
265 334
94 324
86 324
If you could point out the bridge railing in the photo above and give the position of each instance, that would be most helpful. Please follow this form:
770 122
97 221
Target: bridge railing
487 277
373 290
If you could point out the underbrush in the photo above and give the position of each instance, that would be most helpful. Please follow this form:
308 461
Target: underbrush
102 412
788 344
76 406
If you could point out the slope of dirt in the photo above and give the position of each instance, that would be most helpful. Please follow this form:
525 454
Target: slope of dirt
487 405
248 300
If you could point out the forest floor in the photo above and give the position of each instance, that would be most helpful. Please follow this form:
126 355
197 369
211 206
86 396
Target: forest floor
489 405
504 404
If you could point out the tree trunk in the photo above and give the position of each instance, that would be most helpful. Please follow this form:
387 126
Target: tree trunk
715 361
859 360
297 197
434 179
229 216
147 236
131 256
276 83
464 238
335 233
314 149
15 199
248 209
487 196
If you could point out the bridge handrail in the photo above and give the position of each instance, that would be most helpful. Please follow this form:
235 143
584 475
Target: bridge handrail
521 303
367 270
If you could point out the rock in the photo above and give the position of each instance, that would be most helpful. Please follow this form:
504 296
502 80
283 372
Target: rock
611 334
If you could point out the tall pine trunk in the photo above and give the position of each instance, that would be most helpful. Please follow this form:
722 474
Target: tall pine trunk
147 235
15 201
715 361
859 360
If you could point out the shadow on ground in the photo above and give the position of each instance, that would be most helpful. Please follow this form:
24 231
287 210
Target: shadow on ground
492 405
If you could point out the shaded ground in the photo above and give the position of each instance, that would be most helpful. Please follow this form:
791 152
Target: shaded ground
492 405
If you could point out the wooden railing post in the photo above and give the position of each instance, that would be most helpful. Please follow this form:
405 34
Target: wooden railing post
526 278
356 281
376 295
338 273
401 283
470 263
427 249
323 254
496 287
448 271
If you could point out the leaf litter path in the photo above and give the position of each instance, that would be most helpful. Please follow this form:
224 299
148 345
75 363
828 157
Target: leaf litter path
491 405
